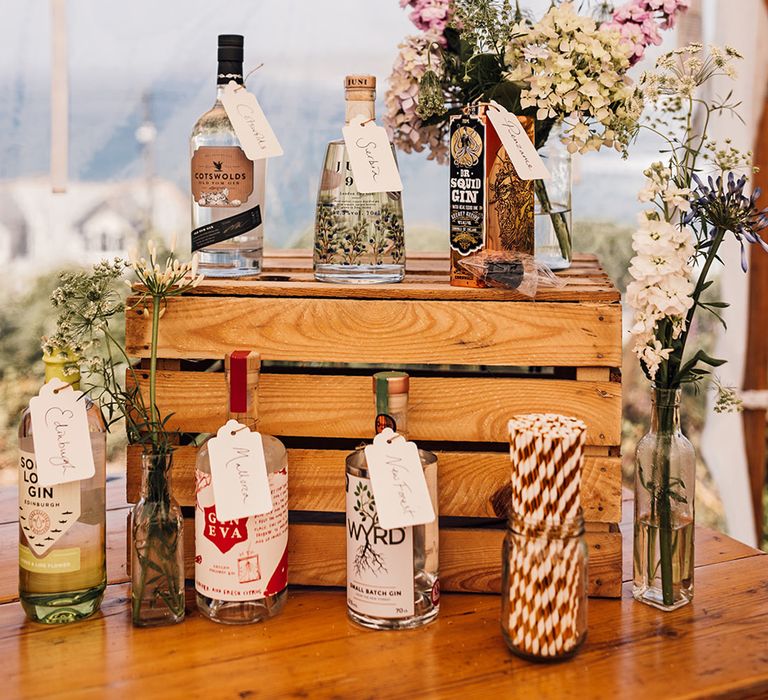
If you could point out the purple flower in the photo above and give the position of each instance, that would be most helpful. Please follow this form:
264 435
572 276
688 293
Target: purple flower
430 16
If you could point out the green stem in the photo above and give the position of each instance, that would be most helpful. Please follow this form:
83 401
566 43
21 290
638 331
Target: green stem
664 500
153 367
559 220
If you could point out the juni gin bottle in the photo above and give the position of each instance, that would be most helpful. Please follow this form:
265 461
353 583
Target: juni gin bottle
359 238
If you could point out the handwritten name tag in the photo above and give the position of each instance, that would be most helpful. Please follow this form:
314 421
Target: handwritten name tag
238 473
519 147
371 158
398 482
61 436
249 122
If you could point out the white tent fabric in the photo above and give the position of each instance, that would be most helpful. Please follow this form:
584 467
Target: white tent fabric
723 436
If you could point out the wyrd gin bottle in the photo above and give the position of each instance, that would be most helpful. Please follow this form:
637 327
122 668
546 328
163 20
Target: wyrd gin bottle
241 566
227 187
392 575
359 238
62 564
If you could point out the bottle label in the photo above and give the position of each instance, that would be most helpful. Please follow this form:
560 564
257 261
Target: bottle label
380 572
46 513
241 559
467 180
225 229
60 561
222 176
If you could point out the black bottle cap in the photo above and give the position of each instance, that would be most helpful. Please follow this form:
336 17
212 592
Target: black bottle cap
231 48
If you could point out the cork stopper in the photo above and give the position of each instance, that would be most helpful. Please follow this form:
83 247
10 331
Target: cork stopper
360 82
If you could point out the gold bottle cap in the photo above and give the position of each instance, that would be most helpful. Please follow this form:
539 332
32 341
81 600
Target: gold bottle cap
397 382
360 82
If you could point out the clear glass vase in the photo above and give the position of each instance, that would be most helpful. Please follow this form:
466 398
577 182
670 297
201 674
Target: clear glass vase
552 206
665 480
157 548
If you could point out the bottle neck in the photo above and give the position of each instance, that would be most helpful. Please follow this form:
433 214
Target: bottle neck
229 70
360 107
58 370
395 406
665 411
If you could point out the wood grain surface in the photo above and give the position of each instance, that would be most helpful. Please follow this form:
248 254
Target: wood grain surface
439 408
380 332
468 482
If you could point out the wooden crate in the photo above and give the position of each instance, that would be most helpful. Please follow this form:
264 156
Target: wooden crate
476 357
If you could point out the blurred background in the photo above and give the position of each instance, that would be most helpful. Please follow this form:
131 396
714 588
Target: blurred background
140 73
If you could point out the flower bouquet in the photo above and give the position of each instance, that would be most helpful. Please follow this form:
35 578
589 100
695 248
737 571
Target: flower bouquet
698 202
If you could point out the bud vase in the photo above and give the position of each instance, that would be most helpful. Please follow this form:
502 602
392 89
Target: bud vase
157 548
552 205
665 479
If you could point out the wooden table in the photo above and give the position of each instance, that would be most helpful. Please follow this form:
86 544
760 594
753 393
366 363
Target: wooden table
716 647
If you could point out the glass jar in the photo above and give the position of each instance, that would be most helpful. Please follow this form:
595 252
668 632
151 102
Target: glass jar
544 588
157 547
665 481
552 206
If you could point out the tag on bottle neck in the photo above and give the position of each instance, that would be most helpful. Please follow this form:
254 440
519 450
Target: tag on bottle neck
249 122
238 472
520 149
370 156
398 483
61 435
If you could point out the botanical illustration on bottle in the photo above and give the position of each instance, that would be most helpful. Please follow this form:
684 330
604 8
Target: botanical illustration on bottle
62 527
227 187
359 237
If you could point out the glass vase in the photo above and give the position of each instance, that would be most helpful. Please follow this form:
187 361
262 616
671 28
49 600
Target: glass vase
665 479
157 548
552 205
544 588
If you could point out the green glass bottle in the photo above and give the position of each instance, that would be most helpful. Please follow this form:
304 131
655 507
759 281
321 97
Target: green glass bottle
62 528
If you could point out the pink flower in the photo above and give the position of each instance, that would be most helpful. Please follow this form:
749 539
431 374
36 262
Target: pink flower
430 16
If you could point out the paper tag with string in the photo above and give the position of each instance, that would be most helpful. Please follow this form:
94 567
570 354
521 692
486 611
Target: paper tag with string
371 158
398 482
249 122
238 472
520 149
62 439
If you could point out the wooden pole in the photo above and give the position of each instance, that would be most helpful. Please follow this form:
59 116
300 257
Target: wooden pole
756 361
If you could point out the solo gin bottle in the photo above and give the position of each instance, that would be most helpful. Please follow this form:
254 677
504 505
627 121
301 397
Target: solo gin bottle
359 238
241 566
227 187
62 545
392 575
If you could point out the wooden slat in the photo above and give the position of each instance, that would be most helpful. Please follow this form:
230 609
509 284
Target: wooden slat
466 409
470 559
467 482
407 332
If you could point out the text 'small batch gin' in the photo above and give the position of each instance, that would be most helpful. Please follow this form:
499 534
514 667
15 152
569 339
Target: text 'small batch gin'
392 575
227 187
359 237
62 543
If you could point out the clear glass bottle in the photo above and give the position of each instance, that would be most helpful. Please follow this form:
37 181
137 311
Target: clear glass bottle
392 575
157 547
665 482
62 562
359 238
241 566
544 588
227 187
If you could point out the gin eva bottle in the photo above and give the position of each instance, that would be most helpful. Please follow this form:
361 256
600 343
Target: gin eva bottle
359 238
241 566
392 575
227 187
62 543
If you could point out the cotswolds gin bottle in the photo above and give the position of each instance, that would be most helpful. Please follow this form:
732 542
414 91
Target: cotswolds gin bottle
62 567
227 187
392 575
241 565
359 238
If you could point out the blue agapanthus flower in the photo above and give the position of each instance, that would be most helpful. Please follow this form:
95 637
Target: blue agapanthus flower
723 206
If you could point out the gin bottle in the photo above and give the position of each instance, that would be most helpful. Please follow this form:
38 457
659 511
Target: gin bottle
359 238
241 566
227 187
62 543
392 575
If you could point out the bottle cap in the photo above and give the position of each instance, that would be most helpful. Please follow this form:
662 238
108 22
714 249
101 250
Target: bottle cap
360 82
63 364
397 382
231 48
